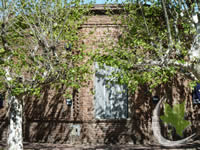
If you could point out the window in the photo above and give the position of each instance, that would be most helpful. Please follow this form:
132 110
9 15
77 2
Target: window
196 94
111 99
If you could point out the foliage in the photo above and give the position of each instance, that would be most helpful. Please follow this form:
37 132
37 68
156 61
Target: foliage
151 49
35 45
40 45
175 117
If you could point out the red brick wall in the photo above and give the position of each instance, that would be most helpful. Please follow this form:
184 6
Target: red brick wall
49 119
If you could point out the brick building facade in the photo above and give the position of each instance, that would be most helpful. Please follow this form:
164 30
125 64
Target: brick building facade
50 119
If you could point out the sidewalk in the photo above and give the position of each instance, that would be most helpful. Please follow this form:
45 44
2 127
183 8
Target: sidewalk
49 146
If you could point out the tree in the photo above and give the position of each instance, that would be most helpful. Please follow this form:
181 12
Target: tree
39 46
158 40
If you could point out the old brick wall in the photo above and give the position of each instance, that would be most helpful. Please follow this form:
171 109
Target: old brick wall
49 119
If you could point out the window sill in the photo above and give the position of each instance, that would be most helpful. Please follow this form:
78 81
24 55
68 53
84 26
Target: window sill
112 120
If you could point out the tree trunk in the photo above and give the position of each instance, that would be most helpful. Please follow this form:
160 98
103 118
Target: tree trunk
15 139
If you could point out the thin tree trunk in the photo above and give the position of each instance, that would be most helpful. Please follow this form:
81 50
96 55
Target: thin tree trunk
167 23
15 138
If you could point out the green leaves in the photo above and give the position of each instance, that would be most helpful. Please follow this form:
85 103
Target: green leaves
175 117
35 38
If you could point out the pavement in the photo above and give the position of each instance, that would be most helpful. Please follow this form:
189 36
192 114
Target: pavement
50 146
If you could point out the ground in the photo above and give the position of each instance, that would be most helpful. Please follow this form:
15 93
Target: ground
49 146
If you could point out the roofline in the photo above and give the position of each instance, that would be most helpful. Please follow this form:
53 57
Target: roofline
101 9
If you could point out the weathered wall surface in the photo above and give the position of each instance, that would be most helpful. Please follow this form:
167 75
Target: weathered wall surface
50 119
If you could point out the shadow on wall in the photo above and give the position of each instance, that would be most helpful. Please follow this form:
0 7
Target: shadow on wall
49 119
3 118
137 129
134 130
3 129
46 117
